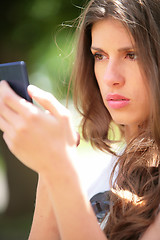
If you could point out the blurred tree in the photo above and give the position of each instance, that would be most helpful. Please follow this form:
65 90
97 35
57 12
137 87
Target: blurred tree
25 25
28 30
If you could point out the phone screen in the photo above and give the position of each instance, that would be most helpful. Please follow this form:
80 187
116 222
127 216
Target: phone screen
15 73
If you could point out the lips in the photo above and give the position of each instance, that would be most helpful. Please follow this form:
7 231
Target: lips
117 101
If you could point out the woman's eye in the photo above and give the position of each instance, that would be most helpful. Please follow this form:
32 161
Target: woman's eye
98 56
131 56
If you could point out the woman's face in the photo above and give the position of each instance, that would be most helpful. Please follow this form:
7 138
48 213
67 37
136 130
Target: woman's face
123 88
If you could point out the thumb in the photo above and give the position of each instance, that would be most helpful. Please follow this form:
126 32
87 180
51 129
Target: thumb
46 100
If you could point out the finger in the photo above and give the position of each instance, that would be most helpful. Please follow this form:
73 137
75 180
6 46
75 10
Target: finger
7 94
78 139
8 141
15 102
51 104
7 113
46 100
5 127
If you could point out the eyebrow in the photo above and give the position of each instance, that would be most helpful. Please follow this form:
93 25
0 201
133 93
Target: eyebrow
124 49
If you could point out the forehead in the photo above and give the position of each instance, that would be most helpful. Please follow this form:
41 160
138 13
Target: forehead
111 32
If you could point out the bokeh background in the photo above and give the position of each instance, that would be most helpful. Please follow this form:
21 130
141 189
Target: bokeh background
39 32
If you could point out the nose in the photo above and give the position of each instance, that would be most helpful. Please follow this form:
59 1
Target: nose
114 74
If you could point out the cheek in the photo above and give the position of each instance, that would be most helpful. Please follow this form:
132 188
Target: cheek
99 78
143 92
96 75
146 105
98 70
140 105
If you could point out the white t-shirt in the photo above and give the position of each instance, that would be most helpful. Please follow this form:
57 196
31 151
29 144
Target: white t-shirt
94 169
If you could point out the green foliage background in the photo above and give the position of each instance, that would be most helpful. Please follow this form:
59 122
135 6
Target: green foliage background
31 30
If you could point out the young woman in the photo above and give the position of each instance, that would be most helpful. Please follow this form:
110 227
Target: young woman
116 79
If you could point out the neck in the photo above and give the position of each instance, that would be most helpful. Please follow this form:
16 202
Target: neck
130 132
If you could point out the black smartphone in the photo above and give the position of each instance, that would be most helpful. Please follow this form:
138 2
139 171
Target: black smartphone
15 73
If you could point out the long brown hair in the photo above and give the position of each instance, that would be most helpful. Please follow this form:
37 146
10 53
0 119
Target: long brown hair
139 166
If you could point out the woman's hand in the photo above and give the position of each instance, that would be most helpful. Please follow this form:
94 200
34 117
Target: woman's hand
39 138
46 142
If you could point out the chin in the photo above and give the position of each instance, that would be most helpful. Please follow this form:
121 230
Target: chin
120 121
126 119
